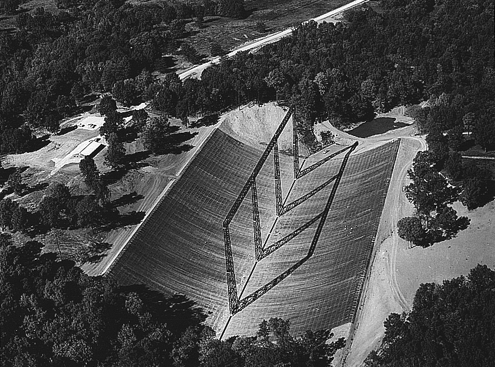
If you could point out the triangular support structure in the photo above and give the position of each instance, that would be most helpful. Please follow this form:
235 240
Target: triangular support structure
236 303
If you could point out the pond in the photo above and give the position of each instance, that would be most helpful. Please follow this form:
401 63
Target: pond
377 126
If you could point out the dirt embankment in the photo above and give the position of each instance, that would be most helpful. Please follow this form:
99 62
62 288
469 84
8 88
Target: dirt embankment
254 125
398 269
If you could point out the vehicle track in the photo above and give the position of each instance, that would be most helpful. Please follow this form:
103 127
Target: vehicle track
260 42
392 266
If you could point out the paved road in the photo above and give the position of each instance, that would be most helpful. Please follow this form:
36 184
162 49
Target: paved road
197 70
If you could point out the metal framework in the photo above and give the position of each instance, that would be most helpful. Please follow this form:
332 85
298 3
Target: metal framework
236 304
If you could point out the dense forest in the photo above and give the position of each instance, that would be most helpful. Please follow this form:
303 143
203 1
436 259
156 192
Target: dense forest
410 51
403 52
51 313
51 62
451 324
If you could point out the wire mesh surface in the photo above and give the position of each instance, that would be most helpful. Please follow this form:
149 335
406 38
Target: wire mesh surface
180 248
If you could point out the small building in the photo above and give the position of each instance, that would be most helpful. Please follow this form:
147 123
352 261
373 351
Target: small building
92 149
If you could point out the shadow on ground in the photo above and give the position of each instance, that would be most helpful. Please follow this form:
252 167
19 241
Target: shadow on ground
375 127
37 187
127 199
97 251
179 311
66 130
206 120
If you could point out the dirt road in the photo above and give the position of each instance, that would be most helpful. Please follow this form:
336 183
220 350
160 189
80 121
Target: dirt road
382 294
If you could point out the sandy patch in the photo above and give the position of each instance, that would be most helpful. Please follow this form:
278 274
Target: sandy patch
382 295
255 125
449 259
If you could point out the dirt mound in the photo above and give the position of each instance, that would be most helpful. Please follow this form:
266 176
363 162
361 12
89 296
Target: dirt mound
255 125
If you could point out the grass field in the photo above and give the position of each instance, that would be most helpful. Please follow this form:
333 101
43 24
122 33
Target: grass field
275 14
180 248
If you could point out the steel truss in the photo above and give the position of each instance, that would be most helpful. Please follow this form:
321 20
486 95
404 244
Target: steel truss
236 304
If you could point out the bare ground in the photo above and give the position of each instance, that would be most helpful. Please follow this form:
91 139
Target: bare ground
398 269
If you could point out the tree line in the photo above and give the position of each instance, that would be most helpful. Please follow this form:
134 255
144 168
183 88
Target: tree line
344 72
373 61
451 324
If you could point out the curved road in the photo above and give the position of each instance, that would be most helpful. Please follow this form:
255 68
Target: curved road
197 70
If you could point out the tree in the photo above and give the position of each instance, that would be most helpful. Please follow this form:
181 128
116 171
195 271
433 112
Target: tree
484 128
468 122
113 122
10 6
475 192
107 105
216 49
142 82
52 122
420 116
431 192
438 147
17 140
231 8
455 138
77 320
155 134
116 151
15 182
450 324
139 118
37 108
449 223
277 80
219 354
102 193
428 190
60 192
260 27
77 91
327 138
453 166
190 53
89 171
166 101
7 208
50 209
65 106
20 219
411 230
88 211
124 91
